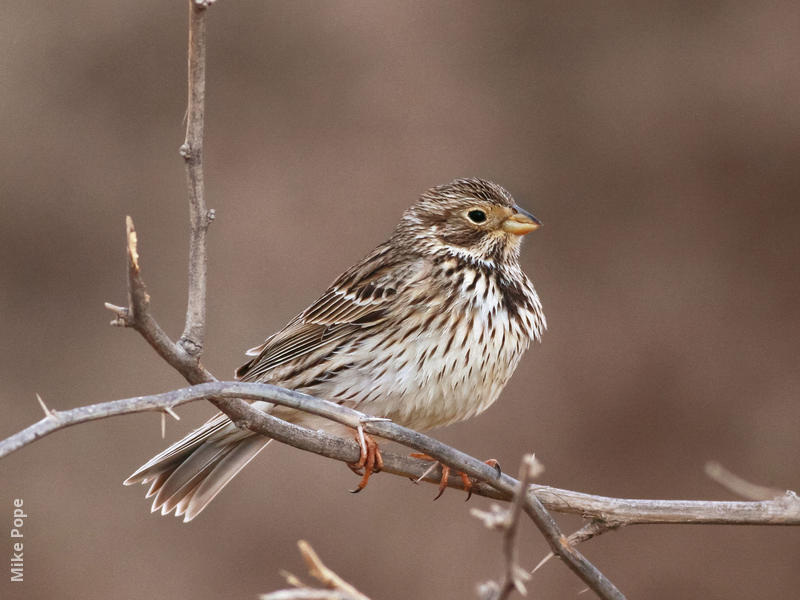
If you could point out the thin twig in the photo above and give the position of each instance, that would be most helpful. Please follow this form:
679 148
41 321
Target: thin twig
305 594
193 339
327 577
561 546
514 576
590 530
183 356
741 487
338 588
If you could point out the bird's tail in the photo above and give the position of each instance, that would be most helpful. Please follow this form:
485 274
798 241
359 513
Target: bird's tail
192 471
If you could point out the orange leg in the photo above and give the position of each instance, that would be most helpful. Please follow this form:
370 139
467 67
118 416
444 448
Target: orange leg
370 459
465 479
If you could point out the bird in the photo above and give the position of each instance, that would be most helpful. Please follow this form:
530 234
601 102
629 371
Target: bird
426 330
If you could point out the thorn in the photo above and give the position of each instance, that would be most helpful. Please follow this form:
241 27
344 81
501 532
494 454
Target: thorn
163 425
291 579
47 411
367 419
427 472
542 562
169 410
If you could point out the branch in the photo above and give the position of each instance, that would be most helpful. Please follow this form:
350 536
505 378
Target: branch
784 510
338 588
592 529
514 576
183 356
193 339
305 594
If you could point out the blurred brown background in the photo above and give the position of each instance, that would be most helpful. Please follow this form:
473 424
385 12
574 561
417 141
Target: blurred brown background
659 144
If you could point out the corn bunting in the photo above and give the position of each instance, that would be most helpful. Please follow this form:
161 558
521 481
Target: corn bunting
426 330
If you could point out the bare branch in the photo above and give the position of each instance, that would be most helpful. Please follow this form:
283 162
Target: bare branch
741 487
233 395
338 588
324 575
183 356
193 339
305 594
514 576
784 510
560 546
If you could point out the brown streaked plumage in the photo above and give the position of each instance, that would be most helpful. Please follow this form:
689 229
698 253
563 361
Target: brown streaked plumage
426 330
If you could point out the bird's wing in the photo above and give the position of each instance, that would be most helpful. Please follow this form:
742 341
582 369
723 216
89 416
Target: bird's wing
360 297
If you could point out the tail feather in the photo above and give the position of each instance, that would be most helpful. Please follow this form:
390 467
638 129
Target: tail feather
186 474
191 472
224 470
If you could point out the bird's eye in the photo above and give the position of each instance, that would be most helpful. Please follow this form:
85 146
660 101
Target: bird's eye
476 216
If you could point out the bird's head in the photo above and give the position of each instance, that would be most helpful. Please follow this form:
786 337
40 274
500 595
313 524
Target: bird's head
472 218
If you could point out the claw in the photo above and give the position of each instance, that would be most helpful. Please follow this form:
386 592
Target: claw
466 480
493 463
443 482
369 461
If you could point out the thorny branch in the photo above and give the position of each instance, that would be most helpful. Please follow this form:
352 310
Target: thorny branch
183 356
616 512
607 513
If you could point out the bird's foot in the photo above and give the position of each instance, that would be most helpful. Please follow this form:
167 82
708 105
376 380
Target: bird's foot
466 480
370 461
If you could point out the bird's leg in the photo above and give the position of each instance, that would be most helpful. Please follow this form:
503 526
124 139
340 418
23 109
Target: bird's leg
466 480
370 459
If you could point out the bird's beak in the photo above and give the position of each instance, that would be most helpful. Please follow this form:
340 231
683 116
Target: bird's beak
521 222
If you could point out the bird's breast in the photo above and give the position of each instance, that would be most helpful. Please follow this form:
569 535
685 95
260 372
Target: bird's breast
457 353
